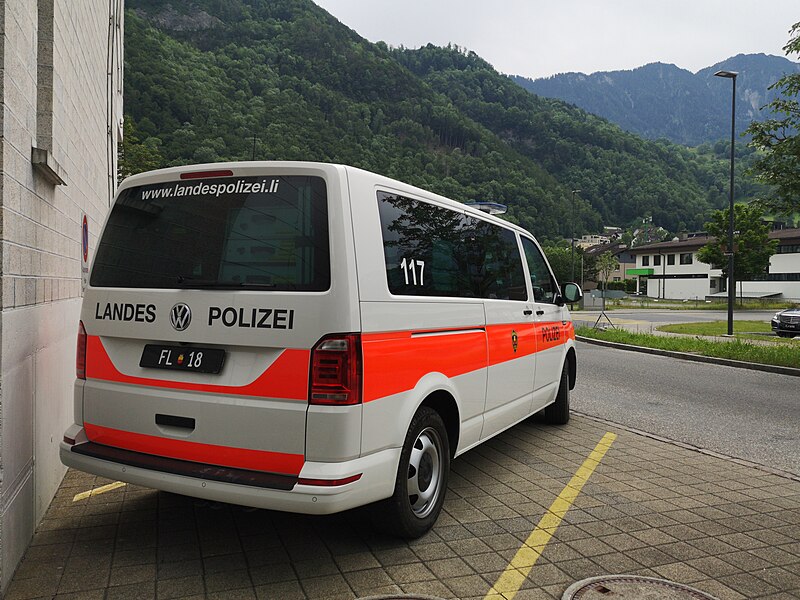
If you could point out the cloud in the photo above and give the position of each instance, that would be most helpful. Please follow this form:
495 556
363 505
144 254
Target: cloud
537 38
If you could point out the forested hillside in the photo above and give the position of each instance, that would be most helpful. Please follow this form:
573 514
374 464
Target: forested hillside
215 80
664 101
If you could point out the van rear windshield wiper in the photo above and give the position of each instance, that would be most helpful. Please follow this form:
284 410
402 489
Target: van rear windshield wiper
184 281
190 282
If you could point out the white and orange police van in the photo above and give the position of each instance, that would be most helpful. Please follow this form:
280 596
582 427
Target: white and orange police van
310 338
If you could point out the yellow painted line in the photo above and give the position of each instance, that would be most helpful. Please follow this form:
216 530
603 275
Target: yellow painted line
508 584
101 490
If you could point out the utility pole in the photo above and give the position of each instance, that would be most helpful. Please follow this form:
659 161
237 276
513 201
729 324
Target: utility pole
731 277
572 239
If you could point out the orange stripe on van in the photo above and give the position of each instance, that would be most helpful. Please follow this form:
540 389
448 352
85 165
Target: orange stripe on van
552 334
394 362
223 456
502 346
286 378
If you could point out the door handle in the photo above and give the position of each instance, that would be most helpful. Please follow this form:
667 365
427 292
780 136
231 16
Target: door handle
540 312
527 311
174 421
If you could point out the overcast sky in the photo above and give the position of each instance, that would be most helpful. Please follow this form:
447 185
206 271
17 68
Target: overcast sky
537 38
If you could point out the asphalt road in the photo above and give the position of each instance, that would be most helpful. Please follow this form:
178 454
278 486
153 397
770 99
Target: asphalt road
656 317
737 412
692 316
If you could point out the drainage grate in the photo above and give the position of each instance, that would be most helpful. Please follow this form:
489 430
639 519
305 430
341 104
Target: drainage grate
631 587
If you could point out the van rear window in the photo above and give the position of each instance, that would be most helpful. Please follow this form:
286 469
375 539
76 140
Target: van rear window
233 232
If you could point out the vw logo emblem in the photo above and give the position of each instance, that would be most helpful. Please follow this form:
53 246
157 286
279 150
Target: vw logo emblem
180 316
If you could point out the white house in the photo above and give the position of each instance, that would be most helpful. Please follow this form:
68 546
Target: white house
671 270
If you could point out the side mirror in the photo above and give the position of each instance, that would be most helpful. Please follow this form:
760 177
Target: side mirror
572 292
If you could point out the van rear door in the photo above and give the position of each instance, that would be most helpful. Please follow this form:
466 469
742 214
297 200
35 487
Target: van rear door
205 300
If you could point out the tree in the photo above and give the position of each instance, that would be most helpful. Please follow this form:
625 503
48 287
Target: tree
779 140
438 118
606 264
559 258
135 156
751 244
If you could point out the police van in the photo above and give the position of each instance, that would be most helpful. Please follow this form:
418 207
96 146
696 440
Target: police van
310 338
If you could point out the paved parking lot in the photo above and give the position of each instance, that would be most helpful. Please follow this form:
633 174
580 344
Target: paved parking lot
650 508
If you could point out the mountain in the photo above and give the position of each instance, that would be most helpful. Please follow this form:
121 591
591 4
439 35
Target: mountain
664 101
210 80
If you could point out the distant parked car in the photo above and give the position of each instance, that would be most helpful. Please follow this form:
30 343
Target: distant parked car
787 323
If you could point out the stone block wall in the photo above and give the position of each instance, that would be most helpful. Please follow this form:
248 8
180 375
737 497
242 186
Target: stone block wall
57 97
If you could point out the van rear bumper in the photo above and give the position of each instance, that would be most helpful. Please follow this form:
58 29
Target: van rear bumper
239 486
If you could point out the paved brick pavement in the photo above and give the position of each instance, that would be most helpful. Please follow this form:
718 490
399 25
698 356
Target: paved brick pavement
651 508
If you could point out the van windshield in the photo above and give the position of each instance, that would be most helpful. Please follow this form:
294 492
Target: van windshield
234 232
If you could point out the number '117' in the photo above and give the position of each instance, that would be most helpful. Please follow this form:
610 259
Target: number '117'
409 268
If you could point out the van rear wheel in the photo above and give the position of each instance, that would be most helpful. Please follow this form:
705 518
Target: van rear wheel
558 412
421 482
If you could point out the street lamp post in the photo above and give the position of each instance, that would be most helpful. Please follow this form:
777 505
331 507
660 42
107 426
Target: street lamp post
572 239
731 278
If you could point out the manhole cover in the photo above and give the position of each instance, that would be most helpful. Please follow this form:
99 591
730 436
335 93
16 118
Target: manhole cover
400 597
633 587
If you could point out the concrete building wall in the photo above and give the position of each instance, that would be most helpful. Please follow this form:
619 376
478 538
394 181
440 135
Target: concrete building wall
678 289
790 290
779 264
681 289
58 162
618 274
785 263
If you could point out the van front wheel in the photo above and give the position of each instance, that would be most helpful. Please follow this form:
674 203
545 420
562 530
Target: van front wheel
421 481
558 412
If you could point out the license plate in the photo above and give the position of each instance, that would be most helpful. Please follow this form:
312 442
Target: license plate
182 358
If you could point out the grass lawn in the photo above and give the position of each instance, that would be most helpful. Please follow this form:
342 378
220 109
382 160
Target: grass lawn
651 303
741 329
787 355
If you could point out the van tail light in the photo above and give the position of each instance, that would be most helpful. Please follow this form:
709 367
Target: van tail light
80 355
336 370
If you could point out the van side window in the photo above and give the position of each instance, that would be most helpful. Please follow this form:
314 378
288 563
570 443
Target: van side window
434 251
424 248
495 262
542 282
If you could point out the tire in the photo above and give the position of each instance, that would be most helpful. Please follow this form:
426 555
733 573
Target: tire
421 482
558 412
784 334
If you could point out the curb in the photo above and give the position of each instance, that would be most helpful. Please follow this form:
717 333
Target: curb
694 357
